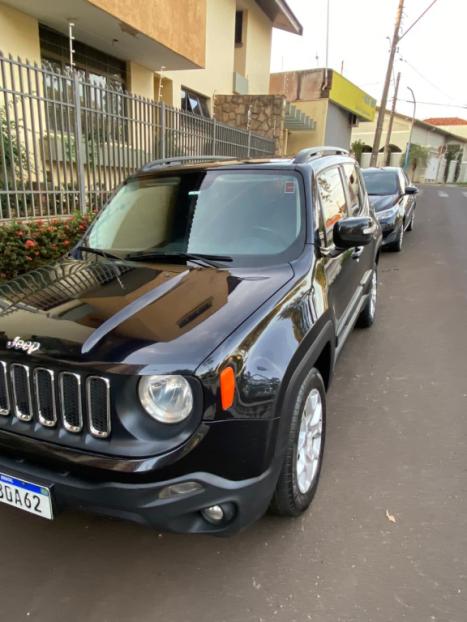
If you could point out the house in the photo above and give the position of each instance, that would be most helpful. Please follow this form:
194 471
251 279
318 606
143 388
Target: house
455 125
199 47
335 104
433 137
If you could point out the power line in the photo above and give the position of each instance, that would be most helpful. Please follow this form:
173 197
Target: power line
418 19
435 104
432 84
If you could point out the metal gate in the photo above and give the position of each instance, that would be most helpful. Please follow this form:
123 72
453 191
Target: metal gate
66 143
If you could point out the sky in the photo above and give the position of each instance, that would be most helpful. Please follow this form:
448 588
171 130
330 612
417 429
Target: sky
432 58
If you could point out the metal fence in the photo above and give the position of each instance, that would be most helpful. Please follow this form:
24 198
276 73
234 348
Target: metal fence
66 143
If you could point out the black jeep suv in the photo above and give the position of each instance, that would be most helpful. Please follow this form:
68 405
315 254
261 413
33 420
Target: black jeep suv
172 370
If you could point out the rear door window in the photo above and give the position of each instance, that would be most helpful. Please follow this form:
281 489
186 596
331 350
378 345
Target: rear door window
354 189
333 201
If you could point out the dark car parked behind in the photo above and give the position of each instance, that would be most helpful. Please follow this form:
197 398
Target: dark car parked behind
173 369
393 199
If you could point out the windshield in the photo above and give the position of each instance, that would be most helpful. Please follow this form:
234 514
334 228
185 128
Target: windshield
381 182
248 215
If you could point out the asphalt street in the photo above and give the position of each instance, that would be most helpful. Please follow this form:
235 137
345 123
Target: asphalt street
386 537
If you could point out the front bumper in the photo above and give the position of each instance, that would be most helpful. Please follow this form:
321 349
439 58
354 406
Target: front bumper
390 228
140 502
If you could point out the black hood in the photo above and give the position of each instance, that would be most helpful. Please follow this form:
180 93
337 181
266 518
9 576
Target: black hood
167 316
380 202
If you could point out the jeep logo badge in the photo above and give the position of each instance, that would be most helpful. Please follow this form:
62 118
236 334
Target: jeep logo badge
27 346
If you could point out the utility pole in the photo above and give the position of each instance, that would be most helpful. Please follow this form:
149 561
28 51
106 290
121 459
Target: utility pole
391 120
409 142
384 97
326 72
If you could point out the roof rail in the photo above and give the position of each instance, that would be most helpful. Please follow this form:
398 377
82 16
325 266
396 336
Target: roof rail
314 152
180 159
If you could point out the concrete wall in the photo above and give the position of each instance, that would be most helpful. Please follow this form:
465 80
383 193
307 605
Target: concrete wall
19 34
179 24
140 80
399 135
258 50
458 130
217 76
338 127
266 115
317 110
222 57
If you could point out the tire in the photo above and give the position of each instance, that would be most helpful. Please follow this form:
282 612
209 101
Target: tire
412 220
299 478
396 246
367 314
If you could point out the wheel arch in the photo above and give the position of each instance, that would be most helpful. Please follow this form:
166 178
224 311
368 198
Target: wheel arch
317 350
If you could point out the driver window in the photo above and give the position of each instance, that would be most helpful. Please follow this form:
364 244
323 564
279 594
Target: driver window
333 202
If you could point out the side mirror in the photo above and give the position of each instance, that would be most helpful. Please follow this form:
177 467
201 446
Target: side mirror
411 190
350 232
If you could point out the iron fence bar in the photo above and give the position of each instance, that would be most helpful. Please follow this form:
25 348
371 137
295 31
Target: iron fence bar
34 135
56 80
92 163
4 159
40 108
100 169
9 126
26 138
79 155
65 146
162 130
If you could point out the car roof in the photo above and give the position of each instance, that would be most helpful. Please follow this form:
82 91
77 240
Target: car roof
289 162
388 169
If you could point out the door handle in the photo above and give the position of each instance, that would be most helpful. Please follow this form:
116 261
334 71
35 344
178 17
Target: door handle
358 250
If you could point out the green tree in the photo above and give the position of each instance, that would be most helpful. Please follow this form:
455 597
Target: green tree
453 152
418 157
357 148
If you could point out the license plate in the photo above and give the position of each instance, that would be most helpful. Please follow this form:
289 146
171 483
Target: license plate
26 496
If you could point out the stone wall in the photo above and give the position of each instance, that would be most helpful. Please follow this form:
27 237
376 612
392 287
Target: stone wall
261 114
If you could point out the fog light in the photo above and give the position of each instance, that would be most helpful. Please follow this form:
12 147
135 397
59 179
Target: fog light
213 514
175 490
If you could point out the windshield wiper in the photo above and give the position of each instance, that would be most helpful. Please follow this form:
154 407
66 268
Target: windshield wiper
106 255
210 260
96 251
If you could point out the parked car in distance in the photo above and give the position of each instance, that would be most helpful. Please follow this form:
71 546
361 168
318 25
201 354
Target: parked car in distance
173 370
393 199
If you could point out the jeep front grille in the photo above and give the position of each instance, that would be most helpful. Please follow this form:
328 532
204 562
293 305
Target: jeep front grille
44 389
70 401
4 392
56 399
21 391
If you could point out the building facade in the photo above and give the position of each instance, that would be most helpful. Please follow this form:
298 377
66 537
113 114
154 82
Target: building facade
335 104
455 125
91 90
435 139
182 52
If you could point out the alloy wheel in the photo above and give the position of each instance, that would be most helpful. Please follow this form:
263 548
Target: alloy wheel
309 441
373 293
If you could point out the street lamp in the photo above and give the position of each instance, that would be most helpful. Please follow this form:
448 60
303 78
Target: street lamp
409 142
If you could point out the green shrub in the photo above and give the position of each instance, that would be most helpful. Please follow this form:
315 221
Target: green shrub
28 245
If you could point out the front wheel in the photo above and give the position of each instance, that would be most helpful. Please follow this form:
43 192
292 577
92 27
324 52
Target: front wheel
396 246
300 472
367 314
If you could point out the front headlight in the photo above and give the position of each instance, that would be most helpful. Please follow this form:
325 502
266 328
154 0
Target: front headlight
388 213
169 399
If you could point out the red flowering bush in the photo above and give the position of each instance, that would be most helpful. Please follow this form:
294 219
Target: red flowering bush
28 245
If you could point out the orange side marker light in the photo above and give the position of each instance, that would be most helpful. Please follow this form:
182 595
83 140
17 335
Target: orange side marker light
227 382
